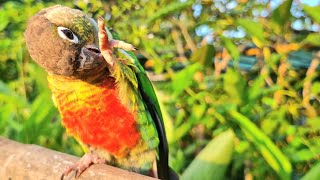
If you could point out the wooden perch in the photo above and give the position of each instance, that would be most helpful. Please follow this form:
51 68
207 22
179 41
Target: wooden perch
25 161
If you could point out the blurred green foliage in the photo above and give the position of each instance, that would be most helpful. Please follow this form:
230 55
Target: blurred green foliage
246 72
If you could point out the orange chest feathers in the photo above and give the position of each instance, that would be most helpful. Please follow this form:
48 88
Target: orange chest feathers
94 115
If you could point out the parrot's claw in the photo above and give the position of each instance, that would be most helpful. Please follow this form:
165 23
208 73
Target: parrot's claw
106 46
80 166
122 45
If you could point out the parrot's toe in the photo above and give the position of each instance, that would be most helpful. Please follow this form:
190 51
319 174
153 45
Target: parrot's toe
80 166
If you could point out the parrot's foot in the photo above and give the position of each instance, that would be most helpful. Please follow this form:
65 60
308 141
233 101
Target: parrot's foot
122 45
106 45
83 164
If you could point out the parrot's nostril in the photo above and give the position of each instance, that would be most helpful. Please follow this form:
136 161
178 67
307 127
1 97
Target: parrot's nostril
94 50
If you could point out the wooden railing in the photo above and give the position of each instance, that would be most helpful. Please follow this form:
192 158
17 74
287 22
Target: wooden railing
25 161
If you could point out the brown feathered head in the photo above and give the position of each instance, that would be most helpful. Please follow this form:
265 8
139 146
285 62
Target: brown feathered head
64 41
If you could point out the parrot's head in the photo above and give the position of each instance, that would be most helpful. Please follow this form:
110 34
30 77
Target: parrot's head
64 41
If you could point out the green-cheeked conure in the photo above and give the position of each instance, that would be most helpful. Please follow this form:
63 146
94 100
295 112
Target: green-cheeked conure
105 99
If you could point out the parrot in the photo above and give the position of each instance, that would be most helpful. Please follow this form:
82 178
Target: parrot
104 97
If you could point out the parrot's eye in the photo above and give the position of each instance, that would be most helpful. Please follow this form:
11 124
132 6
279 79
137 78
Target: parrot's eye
66 33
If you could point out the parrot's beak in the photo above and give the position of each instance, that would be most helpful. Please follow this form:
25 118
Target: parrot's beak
90 57
91 50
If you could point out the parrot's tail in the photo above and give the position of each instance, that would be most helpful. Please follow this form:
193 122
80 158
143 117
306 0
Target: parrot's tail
173 175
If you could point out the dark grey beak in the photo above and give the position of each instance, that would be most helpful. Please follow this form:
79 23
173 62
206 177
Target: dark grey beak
90 57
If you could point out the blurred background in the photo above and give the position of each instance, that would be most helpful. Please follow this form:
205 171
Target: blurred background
238 82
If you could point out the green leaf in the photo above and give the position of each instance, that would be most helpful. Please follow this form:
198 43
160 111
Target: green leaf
313 174
234 85
314 123
169 9
271 153
167 120
231 48
313 12
305 155
282 13
9 96
4 20
40 119
198 111
213 160
184 78
204 55
254 29
40 107
257 88
182 130
313 39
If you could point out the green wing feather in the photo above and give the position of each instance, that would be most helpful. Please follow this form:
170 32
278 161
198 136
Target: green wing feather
151 103
143 80
146 85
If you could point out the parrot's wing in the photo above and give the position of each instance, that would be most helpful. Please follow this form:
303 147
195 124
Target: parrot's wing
148 94
149 97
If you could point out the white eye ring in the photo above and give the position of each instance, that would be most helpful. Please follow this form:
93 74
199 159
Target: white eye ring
67 34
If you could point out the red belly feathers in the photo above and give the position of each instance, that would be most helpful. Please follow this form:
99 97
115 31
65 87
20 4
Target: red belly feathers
99 119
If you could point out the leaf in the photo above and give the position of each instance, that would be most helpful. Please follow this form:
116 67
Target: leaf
313 39
213 160
271 153
234 85
314 123
4 20
204 55
313 12
305 155
254 29
282 13
198 111
313 174
40 107
167 120
231 48
256 89
169 9
182 130
10 97
40 119
184 78
315 88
